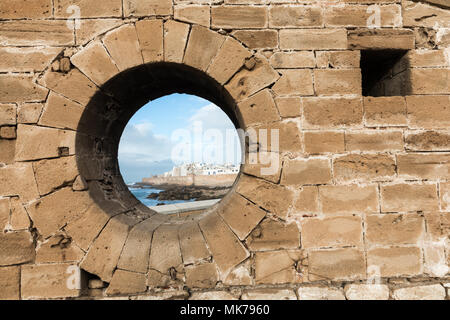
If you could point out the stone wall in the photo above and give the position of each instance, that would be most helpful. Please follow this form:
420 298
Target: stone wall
362 194
194 180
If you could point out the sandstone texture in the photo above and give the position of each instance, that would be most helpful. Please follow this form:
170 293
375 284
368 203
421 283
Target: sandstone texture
353 96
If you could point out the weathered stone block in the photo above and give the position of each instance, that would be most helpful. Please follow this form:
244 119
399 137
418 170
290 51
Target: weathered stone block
337 264
8 148
18 179
426 58
444 190
424 166
338 59
192 243
175 37
29 113
429 81
395 262
295 16
259 108
19 219
137 8
427 141
241 215
385 111
8 132
90 28
36 33
26 59
354 15
242 17
313 39
346 199
58 248
257 39
230 58
104 254
362 168
374 141
10 283
165 252
125 282
293 59
73 85
50 281
409 197
240 275
308 171
64 206
307 201
136 251
269 294
394 229
86 228
274 235
193 14
225 247
381 39
320 293
151 34
428 112
95 62
426 292
212 295
366 291
202 276
39 142
337 81
318 142
19 9
61 113
123 46
288 107
20 88
276 267
423 15
202 47
16 248
8 114
274 198
294 82
332 112
88 9
332 232
247 82
53 173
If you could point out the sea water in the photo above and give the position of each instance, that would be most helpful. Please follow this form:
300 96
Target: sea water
142 193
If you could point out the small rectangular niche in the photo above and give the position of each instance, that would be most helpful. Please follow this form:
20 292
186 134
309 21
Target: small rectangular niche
384 72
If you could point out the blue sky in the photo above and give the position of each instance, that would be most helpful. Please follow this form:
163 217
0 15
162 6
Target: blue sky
168 124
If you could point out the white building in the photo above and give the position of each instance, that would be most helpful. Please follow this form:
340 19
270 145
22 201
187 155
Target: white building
200 169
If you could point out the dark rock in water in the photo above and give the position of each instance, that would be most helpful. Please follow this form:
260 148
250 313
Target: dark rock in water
190 193
153 195
160 204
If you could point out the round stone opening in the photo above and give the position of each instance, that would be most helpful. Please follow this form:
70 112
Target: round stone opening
179 154
107 114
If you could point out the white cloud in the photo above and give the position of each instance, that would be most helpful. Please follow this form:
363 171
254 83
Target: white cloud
139 143
206 138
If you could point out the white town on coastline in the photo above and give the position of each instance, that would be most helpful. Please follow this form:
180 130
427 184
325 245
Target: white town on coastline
200 169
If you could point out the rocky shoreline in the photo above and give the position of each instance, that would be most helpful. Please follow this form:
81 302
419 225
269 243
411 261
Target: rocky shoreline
176 192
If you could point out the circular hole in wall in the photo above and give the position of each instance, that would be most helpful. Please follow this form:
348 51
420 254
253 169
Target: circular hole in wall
179 149
104 123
